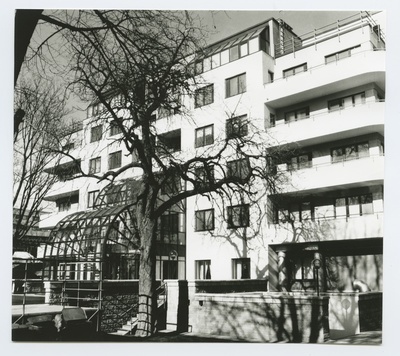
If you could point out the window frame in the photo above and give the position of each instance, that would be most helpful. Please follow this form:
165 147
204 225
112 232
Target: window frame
340 101
297 114
290 72
96 133
240 165
205 223
96 162
231 127
205 265
111 163
92 196
344 155
114 128
240 88
337 56
243 213
245 264
202 94
204 140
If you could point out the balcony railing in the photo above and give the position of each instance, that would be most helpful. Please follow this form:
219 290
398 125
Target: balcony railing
337 29
325 112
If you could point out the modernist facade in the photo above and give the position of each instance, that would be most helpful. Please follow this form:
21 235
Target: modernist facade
322 95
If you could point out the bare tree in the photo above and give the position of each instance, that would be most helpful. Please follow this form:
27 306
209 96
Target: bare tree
135 65
34 145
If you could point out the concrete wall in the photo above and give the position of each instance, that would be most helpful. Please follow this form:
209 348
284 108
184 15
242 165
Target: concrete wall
260 316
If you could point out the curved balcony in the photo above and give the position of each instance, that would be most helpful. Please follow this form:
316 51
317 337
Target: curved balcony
352 173
360 69
328 126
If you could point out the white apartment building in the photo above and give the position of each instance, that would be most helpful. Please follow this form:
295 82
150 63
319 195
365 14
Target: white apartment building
322 95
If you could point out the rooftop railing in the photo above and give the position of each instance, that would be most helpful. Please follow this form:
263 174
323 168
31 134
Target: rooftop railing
340 27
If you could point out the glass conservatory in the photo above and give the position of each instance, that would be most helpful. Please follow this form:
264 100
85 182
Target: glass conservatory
103 243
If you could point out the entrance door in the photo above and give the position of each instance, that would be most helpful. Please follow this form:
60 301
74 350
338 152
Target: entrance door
170 269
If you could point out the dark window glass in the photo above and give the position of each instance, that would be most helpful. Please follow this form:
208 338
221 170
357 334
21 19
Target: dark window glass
241 268
235 85
114 128
238 216
204 96
95 165
239 168
96 133
114 160
203 269
204 136
204 220
237 127
295 70
92 198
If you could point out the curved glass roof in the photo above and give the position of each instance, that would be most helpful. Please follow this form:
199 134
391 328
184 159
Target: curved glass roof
89 235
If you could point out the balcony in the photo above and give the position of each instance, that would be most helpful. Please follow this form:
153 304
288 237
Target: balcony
352 173
332 125
325 79
346 228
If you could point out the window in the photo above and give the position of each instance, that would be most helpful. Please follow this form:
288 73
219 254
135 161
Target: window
340 55
295 70
169 142
204 220
347 101
198 67
239 168
96 133
300 162
350 152
235 85
204 96
114 128
203 269
236 127
233 53
238 216
95 165
64 204
204 136
297 114
169 227
114 160
270 77
272 120
92 198
204 174
354 205
241 268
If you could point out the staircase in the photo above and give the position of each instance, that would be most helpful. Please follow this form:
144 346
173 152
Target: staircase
130 326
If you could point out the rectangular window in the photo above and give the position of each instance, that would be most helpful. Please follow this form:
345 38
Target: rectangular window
239 168
92 198
233 53
204 136
198 67
64 204
96 133
300 162
204 174
204 220
236 127
114 129
169 228
340 55
215 60
67 147
295 70
244 49
297 114
238 216
347 101
270 77
169 142
203 269
241 268
204 96
171 186
114 160
354 205
235 85
350 152
95 165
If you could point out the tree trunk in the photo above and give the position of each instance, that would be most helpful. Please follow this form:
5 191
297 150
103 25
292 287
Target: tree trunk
147 283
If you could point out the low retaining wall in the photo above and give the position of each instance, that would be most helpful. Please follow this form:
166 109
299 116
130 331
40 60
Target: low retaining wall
265 317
